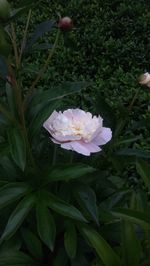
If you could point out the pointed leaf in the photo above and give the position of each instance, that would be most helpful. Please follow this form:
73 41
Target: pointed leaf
60 258
103 249
17 217
107 112
17 258
40 30
67 210
86 198
38 120
45 225
70 240
62 207
11 245
3 68
69 172
143 169
33 244
12 192
38 47
10 98
130 245
65 89
137 217
134 152
17 147
23 3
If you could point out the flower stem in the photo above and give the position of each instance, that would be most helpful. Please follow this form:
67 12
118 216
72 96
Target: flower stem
123 122
24 37
14 43
54 155
7 114
22 124
134 99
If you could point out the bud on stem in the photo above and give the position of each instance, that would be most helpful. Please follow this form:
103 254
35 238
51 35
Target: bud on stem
65 23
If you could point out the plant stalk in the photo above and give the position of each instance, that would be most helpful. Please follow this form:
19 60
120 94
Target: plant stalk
43 69
24 37
134 99
14 43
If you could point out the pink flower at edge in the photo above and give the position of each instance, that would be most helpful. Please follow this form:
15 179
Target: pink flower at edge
144 79
77 130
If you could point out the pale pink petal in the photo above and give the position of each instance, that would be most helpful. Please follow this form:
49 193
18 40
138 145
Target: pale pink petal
48 122
103 137
144 79
78 114
92 147
79 147
68 113
148 84
95 134
66 146
65 138
55 141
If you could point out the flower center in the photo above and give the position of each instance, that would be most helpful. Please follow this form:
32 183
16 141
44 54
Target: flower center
83 125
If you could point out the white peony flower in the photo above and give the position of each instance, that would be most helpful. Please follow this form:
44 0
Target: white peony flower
75 129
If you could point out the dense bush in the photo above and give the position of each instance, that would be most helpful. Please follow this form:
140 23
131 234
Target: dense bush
109 45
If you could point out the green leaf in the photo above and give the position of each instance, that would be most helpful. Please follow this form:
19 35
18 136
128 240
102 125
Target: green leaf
11 192
11 245
137 217
87 199
106 111
33 244
3 67
23 3
134 152
69 172
18 12
17 147
39 118
67 210
40 30
81 260
142 201
143 169
127 140
57 93
70 240
10 98
38 47
130 245
103 249
45 225
16 258
61 207
17 217
60 258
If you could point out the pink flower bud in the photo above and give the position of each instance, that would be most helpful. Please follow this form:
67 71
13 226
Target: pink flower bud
65 23
144 79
